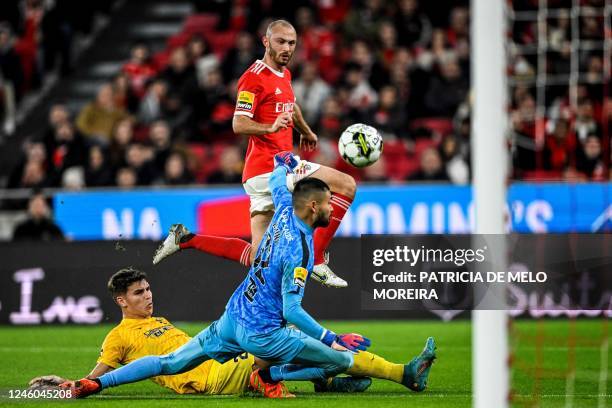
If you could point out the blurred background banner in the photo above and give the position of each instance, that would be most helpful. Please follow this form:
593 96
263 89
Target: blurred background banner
45 288
418 209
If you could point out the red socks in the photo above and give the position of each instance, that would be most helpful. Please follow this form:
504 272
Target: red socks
323 236
239 250
234 249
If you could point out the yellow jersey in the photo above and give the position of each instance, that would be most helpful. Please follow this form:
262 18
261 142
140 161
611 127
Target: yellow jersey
136 338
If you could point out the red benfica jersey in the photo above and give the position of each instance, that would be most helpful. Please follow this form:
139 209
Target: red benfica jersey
263 94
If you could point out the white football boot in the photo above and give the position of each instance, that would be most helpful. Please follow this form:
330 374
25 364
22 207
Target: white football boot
323 274
171 243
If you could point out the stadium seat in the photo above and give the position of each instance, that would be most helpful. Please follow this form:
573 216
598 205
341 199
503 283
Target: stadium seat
177 40
442 126
202 24
221 42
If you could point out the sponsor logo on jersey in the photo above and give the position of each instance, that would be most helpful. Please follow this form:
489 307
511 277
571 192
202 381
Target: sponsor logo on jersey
245 100
299 276
158 331
283 107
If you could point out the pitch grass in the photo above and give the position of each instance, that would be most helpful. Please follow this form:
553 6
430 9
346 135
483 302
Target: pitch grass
72 351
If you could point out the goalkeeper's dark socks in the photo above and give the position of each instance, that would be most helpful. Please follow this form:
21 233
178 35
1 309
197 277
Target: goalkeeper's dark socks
234 249
323 236
265 375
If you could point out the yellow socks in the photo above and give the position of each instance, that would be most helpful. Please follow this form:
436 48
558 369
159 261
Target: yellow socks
371 365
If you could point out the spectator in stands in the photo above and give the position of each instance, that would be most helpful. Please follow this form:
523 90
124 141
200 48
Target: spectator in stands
98 173
30 172
137 158
387 43
58 114
363 22
123 134
201 56
331 122
10 64
139 69
98 118
590 158
388 117
459 29
455 163
239 58
181 79
361 96
230 167
126 178
175 171
38 226
373 70
152 105
159 135
66 150
447 90
310 91
376 172
413 27
432 168
560 147
585 123
124 96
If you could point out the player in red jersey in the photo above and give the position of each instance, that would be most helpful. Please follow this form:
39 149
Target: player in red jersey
266 111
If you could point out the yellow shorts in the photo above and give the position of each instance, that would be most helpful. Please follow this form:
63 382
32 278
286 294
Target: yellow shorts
231 377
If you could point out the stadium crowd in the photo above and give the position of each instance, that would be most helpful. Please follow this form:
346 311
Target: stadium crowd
401 66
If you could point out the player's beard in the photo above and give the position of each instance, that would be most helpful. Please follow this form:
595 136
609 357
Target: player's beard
322 220
276 57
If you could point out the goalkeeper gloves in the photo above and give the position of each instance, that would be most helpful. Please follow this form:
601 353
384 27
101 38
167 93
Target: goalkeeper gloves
352 341
287 160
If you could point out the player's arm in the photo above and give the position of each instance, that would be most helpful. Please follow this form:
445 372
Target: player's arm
308 139
98 370
294 280
250 94
244 125
278 186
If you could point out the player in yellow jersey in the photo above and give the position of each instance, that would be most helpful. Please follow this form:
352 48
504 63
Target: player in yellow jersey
140 334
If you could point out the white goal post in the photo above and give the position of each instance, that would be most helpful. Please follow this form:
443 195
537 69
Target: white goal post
489 166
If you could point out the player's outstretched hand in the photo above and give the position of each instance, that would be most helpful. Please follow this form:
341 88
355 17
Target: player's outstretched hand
45 381
287 160
353 341
283 121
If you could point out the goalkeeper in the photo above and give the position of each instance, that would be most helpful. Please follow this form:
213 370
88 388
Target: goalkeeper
140 334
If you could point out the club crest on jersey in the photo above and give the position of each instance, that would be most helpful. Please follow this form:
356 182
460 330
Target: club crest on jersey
299 276
245 100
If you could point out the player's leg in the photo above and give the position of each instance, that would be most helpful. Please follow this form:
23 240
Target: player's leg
185 358
231 377
315 361
179 237
413 375
343 189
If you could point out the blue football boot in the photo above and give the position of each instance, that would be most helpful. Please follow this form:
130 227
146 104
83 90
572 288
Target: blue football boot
417 370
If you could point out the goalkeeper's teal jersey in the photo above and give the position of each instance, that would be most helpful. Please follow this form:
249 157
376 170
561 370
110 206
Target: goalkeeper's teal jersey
282 264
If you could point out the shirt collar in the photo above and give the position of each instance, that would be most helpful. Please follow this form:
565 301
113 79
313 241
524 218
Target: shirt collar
275 72
302 225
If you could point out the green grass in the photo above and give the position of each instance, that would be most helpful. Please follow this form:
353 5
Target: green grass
72 351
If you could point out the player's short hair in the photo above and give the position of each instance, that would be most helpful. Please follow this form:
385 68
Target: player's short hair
307 189
275 23
122 279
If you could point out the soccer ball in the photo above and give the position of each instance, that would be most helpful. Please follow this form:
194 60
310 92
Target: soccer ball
360 145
